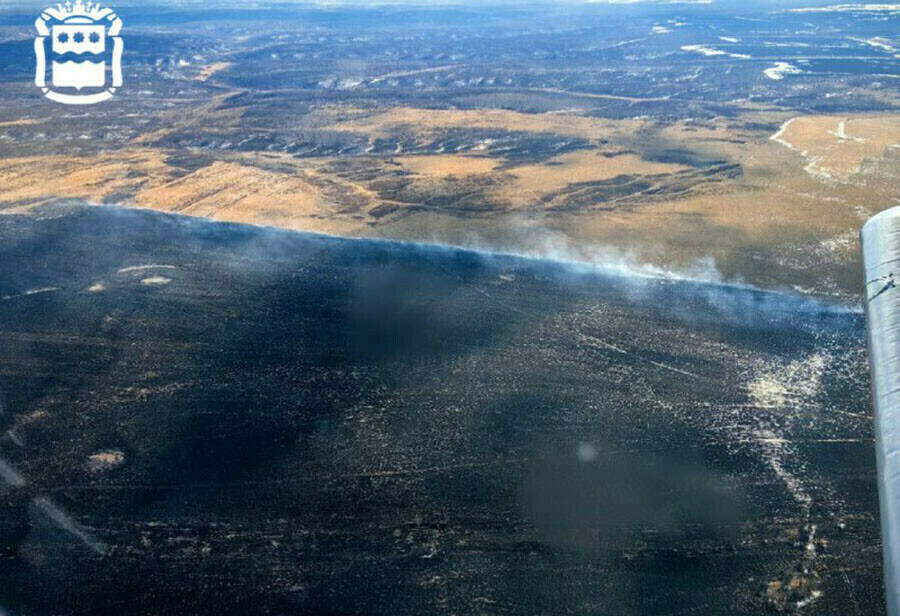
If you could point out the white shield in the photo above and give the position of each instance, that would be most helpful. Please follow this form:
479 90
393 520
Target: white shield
78 34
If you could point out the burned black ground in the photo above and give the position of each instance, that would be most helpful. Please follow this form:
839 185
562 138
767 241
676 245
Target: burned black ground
210 418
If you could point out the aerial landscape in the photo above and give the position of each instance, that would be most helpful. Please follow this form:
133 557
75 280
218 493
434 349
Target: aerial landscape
407 308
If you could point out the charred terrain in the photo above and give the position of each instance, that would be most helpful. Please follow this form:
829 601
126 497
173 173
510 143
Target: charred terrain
211 418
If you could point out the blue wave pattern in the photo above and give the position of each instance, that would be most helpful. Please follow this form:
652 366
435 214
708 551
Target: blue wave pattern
78 57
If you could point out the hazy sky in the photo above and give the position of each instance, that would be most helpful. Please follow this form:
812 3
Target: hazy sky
262 3
251 4
745 3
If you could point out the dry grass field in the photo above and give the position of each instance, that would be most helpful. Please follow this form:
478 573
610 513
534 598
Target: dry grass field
775 208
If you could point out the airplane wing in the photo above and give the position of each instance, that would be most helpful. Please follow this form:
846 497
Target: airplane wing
881 256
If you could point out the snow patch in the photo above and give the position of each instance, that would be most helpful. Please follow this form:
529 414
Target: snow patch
849 8
138 268
712 51
781 69
105 460
155 281
876 42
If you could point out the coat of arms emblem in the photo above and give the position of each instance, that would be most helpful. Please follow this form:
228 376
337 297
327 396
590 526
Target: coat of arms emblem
84 40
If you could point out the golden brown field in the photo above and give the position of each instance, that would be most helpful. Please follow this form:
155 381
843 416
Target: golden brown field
779 208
